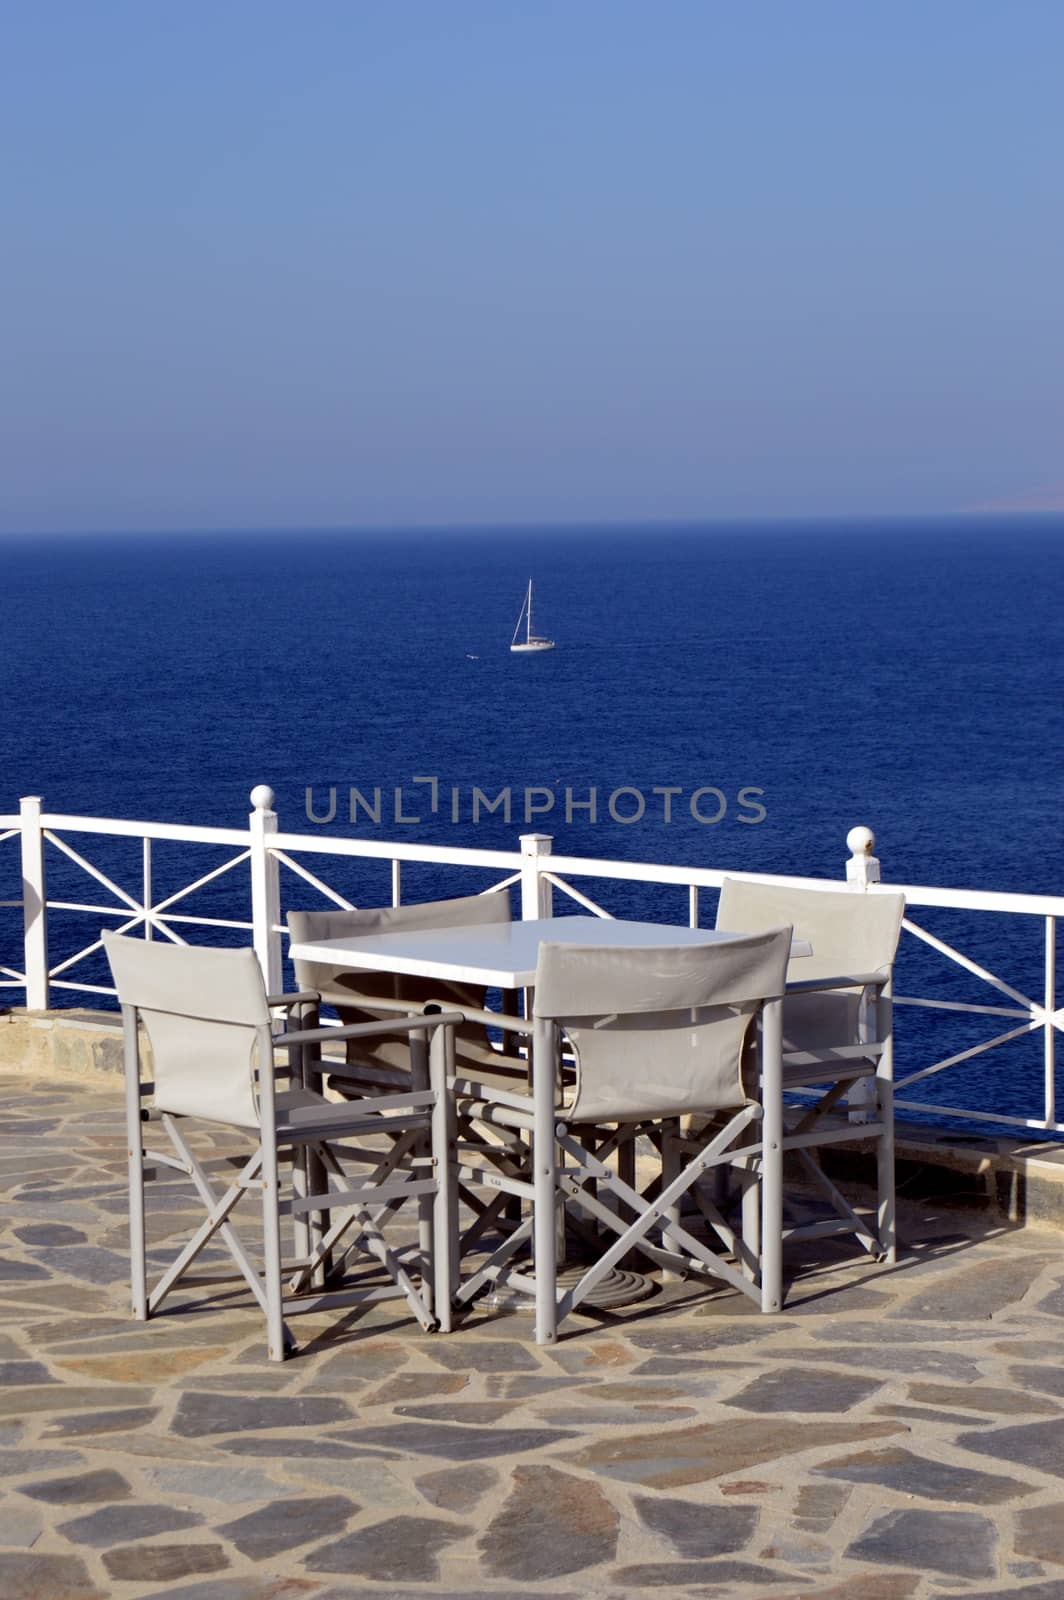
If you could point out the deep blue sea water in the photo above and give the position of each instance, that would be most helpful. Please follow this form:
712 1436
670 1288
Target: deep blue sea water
904 676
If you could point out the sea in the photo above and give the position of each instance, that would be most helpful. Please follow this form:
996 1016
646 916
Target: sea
733 696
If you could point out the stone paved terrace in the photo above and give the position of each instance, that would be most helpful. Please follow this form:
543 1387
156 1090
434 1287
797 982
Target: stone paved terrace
895 1434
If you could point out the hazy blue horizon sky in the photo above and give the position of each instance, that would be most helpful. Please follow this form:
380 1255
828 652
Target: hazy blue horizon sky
489 263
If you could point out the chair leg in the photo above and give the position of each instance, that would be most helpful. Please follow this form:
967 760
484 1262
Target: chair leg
671 1166
444 1248
772 1156
138 1266
271 1245
545 1156
884 1082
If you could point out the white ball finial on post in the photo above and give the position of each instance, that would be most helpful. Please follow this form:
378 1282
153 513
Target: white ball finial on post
862 867
262 797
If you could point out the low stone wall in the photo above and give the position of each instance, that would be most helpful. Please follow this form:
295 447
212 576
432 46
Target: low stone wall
65 1043
1022 1181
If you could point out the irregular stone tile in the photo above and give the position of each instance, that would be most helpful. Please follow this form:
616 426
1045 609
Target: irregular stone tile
670 1366
158 1563
552 1523
973 1293
1040 1532
485 1355
67 1397
872 1586
1031 1444
597 1357
452 1593
1053 1304
633 1392
222 1485
673 1574
72 1297
588 1417
691 1455
926 1414
1051 1589
982 1397
281 1445
286 1523
114 1524
457 1444
922 1359
49 1234
84 1488
20 1526
818 1505
1028 1349
201 1414
793 1389
457 1490
15 1271
750 1486
254 1587
677 1341
526 1386
402 1548
697 1532
884 1333
90 1422
21 1372
29 1576
834 1300
480 1413
798 1550
895 1468
18 1462
406 1386
1045 1380
960 1543
369 1478
130 1367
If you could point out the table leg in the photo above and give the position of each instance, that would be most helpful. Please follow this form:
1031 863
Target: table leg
544 1157
772 1156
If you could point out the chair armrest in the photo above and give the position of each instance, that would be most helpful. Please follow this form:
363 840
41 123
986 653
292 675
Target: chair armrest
490 1019
856 980
373 1002
366 1030
306 996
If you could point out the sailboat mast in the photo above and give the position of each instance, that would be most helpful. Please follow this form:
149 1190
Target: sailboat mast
528 629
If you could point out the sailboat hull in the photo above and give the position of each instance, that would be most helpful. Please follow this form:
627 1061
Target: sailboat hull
532 646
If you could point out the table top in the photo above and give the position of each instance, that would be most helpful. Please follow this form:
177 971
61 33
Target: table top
500 955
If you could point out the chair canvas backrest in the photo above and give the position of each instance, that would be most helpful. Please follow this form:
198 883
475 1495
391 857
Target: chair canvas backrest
201 1009
850 932
659 1031
343 987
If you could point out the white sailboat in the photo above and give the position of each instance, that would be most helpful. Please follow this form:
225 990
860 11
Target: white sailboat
531 641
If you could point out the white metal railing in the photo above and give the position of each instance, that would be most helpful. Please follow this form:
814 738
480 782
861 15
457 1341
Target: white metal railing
266 852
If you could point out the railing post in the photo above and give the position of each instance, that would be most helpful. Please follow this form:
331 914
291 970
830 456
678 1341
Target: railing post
861 870
862 867
265 888
34 905
537 896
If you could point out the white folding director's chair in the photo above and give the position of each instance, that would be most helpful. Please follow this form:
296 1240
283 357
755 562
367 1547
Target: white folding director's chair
352 1164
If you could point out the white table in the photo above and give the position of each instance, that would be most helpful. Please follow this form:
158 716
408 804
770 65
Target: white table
504 956
498 955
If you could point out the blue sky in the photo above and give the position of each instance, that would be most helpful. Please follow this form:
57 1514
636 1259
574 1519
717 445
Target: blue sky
457 262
